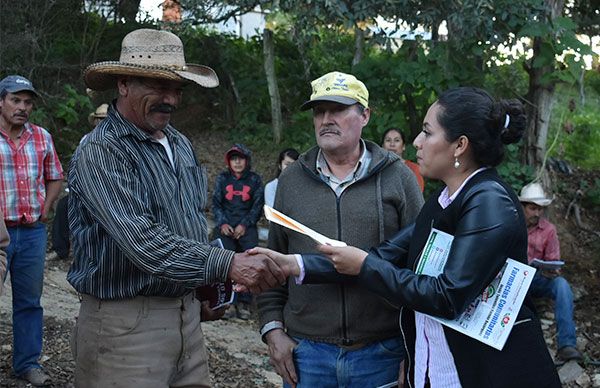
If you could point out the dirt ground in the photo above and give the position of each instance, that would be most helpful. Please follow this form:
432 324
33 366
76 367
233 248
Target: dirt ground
237 356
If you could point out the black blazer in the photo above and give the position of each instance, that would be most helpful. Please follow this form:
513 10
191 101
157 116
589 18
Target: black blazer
487 222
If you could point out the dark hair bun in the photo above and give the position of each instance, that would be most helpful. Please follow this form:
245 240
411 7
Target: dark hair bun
517 121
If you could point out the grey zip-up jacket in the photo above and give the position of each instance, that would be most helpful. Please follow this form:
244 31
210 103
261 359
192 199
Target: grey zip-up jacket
367 212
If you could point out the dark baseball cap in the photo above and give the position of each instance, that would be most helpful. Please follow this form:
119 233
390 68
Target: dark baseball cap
17 83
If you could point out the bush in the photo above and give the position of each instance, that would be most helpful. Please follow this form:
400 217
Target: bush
591 195
581 145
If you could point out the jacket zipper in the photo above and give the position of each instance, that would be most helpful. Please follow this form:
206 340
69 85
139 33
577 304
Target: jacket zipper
311 173
345 339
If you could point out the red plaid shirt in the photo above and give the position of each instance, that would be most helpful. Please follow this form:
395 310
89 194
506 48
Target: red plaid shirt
24 173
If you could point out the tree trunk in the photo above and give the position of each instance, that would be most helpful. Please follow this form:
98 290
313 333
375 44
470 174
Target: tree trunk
359 45
541 98
300 39
414 120
269 54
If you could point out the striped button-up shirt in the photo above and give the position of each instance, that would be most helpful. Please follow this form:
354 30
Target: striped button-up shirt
137 223
24 171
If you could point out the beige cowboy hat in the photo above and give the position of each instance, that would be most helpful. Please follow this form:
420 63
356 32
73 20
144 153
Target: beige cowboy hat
152 54
534 193
100 113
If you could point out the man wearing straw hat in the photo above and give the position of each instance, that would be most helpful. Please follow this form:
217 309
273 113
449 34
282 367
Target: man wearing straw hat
98 115
139 232
543 245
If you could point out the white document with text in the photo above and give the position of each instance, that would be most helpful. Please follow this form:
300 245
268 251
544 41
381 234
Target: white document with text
491 316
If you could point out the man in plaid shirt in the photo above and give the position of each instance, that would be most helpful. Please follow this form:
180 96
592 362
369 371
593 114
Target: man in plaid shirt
30 181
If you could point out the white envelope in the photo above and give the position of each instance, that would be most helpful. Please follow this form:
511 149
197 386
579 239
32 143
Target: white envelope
281 219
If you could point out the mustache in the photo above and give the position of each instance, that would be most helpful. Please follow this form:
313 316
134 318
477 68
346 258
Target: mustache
329 130
163 108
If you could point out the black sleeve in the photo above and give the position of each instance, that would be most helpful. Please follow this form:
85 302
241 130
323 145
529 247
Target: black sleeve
484 234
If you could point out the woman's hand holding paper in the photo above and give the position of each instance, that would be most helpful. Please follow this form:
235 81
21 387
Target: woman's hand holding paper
346 260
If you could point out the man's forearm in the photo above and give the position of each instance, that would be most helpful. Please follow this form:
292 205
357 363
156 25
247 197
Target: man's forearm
53 189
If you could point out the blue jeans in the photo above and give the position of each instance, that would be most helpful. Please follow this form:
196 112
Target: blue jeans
557 289
325 365
26 255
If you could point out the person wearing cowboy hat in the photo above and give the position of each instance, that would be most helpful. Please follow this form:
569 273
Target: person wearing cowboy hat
140 237
542 244
100 113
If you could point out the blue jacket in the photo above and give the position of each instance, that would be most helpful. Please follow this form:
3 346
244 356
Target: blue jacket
238 201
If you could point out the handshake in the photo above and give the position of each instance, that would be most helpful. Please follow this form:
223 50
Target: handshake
259 269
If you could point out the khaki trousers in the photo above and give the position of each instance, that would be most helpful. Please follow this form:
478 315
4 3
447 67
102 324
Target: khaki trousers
148 342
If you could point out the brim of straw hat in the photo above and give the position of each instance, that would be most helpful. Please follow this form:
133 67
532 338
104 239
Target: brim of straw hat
93 116
103 75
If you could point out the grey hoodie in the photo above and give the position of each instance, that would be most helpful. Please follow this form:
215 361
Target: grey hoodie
367 212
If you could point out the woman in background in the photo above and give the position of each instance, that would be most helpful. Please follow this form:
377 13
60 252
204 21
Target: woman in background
286 157
393 140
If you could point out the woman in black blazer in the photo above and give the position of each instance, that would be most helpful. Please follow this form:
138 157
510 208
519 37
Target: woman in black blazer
463 139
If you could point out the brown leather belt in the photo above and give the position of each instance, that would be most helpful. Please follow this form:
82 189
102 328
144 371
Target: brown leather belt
354 345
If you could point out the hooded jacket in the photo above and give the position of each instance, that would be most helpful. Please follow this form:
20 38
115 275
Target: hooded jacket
238 201
368 211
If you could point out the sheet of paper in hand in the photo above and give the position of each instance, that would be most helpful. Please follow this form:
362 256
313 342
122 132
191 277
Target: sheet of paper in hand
283 220
547 264
491 316
217 294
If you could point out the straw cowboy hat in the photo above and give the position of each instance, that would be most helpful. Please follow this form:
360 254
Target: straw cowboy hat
100 113
152 54
534 193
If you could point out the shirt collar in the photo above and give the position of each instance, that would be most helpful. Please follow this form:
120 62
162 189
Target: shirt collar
323 166
444 200
542 225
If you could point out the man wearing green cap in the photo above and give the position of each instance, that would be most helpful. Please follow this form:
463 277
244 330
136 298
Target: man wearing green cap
351 190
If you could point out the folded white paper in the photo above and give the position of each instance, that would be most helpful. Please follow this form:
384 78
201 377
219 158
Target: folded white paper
281 219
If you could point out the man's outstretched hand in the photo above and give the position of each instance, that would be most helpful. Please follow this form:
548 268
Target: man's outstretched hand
257 273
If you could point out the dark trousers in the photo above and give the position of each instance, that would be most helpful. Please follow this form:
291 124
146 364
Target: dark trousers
247 241
61 242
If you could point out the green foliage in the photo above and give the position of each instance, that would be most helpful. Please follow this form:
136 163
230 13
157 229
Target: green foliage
592 80
513 171
62 116
312 38
575 128
591 194
507 81
582 145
